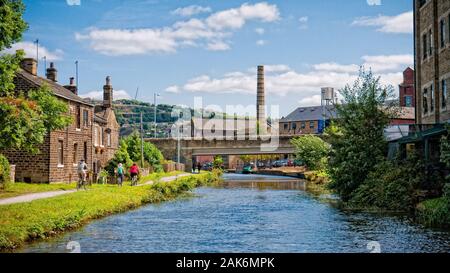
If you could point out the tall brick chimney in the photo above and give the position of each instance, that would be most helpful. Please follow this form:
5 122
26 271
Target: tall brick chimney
260 98
72 87
107 93
29 65
52 73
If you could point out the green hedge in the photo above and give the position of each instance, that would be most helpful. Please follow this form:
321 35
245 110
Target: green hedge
4 172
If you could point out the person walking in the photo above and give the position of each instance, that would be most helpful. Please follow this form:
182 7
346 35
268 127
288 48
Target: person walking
120 174
82 170
199 167
134 172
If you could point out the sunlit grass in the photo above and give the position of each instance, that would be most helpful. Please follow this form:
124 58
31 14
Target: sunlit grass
16 189
20 223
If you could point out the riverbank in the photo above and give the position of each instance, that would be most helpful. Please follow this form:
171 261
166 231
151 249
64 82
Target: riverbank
40 219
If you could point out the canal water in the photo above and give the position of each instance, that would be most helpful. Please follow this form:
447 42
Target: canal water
249 213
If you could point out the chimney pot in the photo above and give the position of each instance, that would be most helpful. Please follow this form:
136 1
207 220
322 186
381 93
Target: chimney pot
72 87
29 65
107 93
52 72
71 80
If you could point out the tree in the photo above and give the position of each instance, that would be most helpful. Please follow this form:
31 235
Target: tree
357 137
311 150
152 155
218 162
25 118
121 156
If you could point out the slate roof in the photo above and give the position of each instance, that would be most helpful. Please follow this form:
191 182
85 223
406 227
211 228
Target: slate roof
310 113
57 89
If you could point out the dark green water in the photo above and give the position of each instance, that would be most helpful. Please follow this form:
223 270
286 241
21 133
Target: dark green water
251 214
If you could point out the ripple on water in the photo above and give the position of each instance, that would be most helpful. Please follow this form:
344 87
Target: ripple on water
246 219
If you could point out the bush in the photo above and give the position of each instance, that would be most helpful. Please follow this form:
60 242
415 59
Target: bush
218 162
393 185
434 212
121 156
312 151
4 172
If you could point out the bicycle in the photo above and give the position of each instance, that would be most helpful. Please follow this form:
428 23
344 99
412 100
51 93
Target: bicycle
81 181
134 180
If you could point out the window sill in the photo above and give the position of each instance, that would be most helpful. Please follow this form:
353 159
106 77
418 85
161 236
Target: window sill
60 166
78 129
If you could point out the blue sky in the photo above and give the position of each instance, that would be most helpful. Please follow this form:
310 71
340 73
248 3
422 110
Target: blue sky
183 49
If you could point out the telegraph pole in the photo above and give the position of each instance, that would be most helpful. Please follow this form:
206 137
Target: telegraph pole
76 74
142 143
154 103
37 53
45 63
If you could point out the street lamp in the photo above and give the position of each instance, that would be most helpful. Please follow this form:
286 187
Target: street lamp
154 103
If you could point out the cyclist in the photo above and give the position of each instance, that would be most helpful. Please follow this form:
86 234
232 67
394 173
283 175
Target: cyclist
82 170
134 172
120 174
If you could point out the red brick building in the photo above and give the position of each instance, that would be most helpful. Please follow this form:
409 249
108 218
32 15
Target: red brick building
63 149
406 89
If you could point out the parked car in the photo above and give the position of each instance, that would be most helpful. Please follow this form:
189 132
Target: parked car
261 165
280 163
207 166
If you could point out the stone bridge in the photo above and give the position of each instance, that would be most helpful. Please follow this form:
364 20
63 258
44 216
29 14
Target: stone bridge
191 147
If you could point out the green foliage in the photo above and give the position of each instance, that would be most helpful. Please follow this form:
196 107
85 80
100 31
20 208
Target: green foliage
12 24
358 142
311 150
43 218
152 155
4 172
25 118
9 65
121 156
434 212
218 162
393 185
26 121
54 112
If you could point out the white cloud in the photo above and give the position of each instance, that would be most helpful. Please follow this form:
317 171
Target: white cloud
98 95
173 89
402 23
311 100
261 42
282 80
303 19
218 46
260 31
374 2
209 33
191 10
30 51
335 67
237 17
303 22
73 2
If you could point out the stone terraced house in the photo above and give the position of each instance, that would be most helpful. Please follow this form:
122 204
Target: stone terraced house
92 136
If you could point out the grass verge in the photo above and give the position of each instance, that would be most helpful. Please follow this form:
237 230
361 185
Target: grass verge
40 219
16 189
434 213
